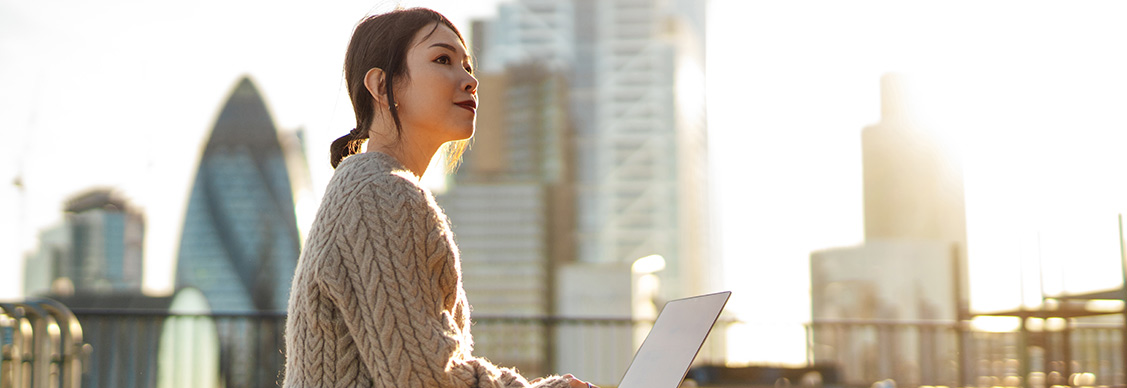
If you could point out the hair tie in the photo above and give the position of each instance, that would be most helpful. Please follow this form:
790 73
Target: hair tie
355 132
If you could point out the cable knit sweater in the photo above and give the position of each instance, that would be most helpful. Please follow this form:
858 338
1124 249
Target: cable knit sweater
377 298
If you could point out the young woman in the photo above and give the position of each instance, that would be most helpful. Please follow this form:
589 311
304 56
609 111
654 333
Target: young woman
377 298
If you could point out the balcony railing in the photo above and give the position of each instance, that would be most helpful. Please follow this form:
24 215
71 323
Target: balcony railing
42 346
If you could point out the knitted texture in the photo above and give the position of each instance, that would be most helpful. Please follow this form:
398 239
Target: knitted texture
377 297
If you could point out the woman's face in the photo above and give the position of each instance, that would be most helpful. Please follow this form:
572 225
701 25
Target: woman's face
438 98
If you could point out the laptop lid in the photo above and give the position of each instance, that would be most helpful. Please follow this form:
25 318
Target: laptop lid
677 335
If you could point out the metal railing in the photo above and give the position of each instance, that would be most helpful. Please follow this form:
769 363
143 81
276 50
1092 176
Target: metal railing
43 346
40 345
134 348
948 353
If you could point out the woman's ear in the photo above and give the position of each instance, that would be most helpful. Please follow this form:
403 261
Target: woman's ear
374 82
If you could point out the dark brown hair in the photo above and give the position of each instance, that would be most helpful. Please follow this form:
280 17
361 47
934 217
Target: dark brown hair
381 41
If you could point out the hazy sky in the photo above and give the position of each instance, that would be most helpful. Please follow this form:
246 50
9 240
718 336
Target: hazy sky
123 93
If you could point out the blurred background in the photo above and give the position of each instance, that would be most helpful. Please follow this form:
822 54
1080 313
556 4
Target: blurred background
918 191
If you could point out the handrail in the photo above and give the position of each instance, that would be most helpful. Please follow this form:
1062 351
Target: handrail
55 340
117 312
886 322
73 349
13 354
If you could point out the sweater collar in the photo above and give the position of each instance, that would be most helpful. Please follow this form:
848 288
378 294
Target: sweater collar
378 161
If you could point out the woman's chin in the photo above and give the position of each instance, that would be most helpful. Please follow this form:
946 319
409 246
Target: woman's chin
465 133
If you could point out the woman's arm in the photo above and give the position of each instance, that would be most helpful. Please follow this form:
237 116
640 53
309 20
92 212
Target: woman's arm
395 285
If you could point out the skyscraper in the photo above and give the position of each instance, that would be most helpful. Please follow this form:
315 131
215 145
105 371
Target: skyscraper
912 263
512 207
635 70
913 184
98 248
635 91
239 244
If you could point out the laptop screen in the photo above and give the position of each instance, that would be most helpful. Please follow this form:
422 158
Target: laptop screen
677 335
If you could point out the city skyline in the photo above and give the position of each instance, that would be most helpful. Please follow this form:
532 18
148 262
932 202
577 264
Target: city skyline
1030 88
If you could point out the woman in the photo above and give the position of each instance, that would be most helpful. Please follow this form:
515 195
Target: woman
377 298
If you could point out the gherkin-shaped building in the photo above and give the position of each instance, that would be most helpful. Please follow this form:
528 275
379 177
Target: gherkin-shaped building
239 244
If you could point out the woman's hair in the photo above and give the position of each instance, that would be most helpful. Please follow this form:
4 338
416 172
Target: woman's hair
381 41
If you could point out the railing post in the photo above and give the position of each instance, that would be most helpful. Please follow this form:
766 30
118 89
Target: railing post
40 344
15 352
809 344
1123 268
1066 349
70 331
965 358
926 346
549 348
962 317
1023 347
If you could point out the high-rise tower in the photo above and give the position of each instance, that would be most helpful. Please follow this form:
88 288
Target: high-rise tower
913 184
636 73
512 207
912 265
240 242
97 249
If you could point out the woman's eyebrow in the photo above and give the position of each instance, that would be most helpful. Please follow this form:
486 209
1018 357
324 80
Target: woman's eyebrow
445 46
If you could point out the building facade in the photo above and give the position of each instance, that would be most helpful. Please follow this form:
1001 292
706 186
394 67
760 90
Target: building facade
634 158
239 244
512 210
912 265
635 71
913 183
98 248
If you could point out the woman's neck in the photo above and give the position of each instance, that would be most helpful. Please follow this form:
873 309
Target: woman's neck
413 156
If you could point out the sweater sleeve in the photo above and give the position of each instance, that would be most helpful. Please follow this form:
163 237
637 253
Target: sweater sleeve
391 283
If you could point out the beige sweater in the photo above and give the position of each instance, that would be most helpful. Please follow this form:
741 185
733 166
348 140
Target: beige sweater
377 298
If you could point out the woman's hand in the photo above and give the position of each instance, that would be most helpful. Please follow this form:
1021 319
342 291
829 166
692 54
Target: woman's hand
577 383
571 381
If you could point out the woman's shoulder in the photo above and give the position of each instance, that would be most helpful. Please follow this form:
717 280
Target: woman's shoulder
375 179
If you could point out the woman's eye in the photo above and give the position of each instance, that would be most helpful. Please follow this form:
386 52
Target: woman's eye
444 60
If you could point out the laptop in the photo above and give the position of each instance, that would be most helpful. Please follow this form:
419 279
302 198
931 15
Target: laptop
677 335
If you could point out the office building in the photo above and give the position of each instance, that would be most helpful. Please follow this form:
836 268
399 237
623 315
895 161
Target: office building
635 70
98 248
912 265
512 208
634 74
239 244
913 184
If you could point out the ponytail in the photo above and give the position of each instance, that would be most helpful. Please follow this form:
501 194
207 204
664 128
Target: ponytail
346 145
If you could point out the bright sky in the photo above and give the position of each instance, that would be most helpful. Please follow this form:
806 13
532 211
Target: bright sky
122 93
1032 92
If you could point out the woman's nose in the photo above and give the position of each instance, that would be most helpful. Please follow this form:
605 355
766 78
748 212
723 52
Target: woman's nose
471 86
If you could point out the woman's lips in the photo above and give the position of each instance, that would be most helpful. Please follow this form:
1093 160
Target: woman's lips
469 105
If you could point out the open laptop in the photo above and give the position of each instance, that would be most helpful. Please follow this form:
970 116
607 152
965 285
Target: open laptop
677 335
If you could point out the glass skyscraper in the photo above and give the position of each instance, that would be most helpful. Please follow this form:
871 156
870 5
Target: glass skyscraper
597 162
512 209
635 71
96 250
239 244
